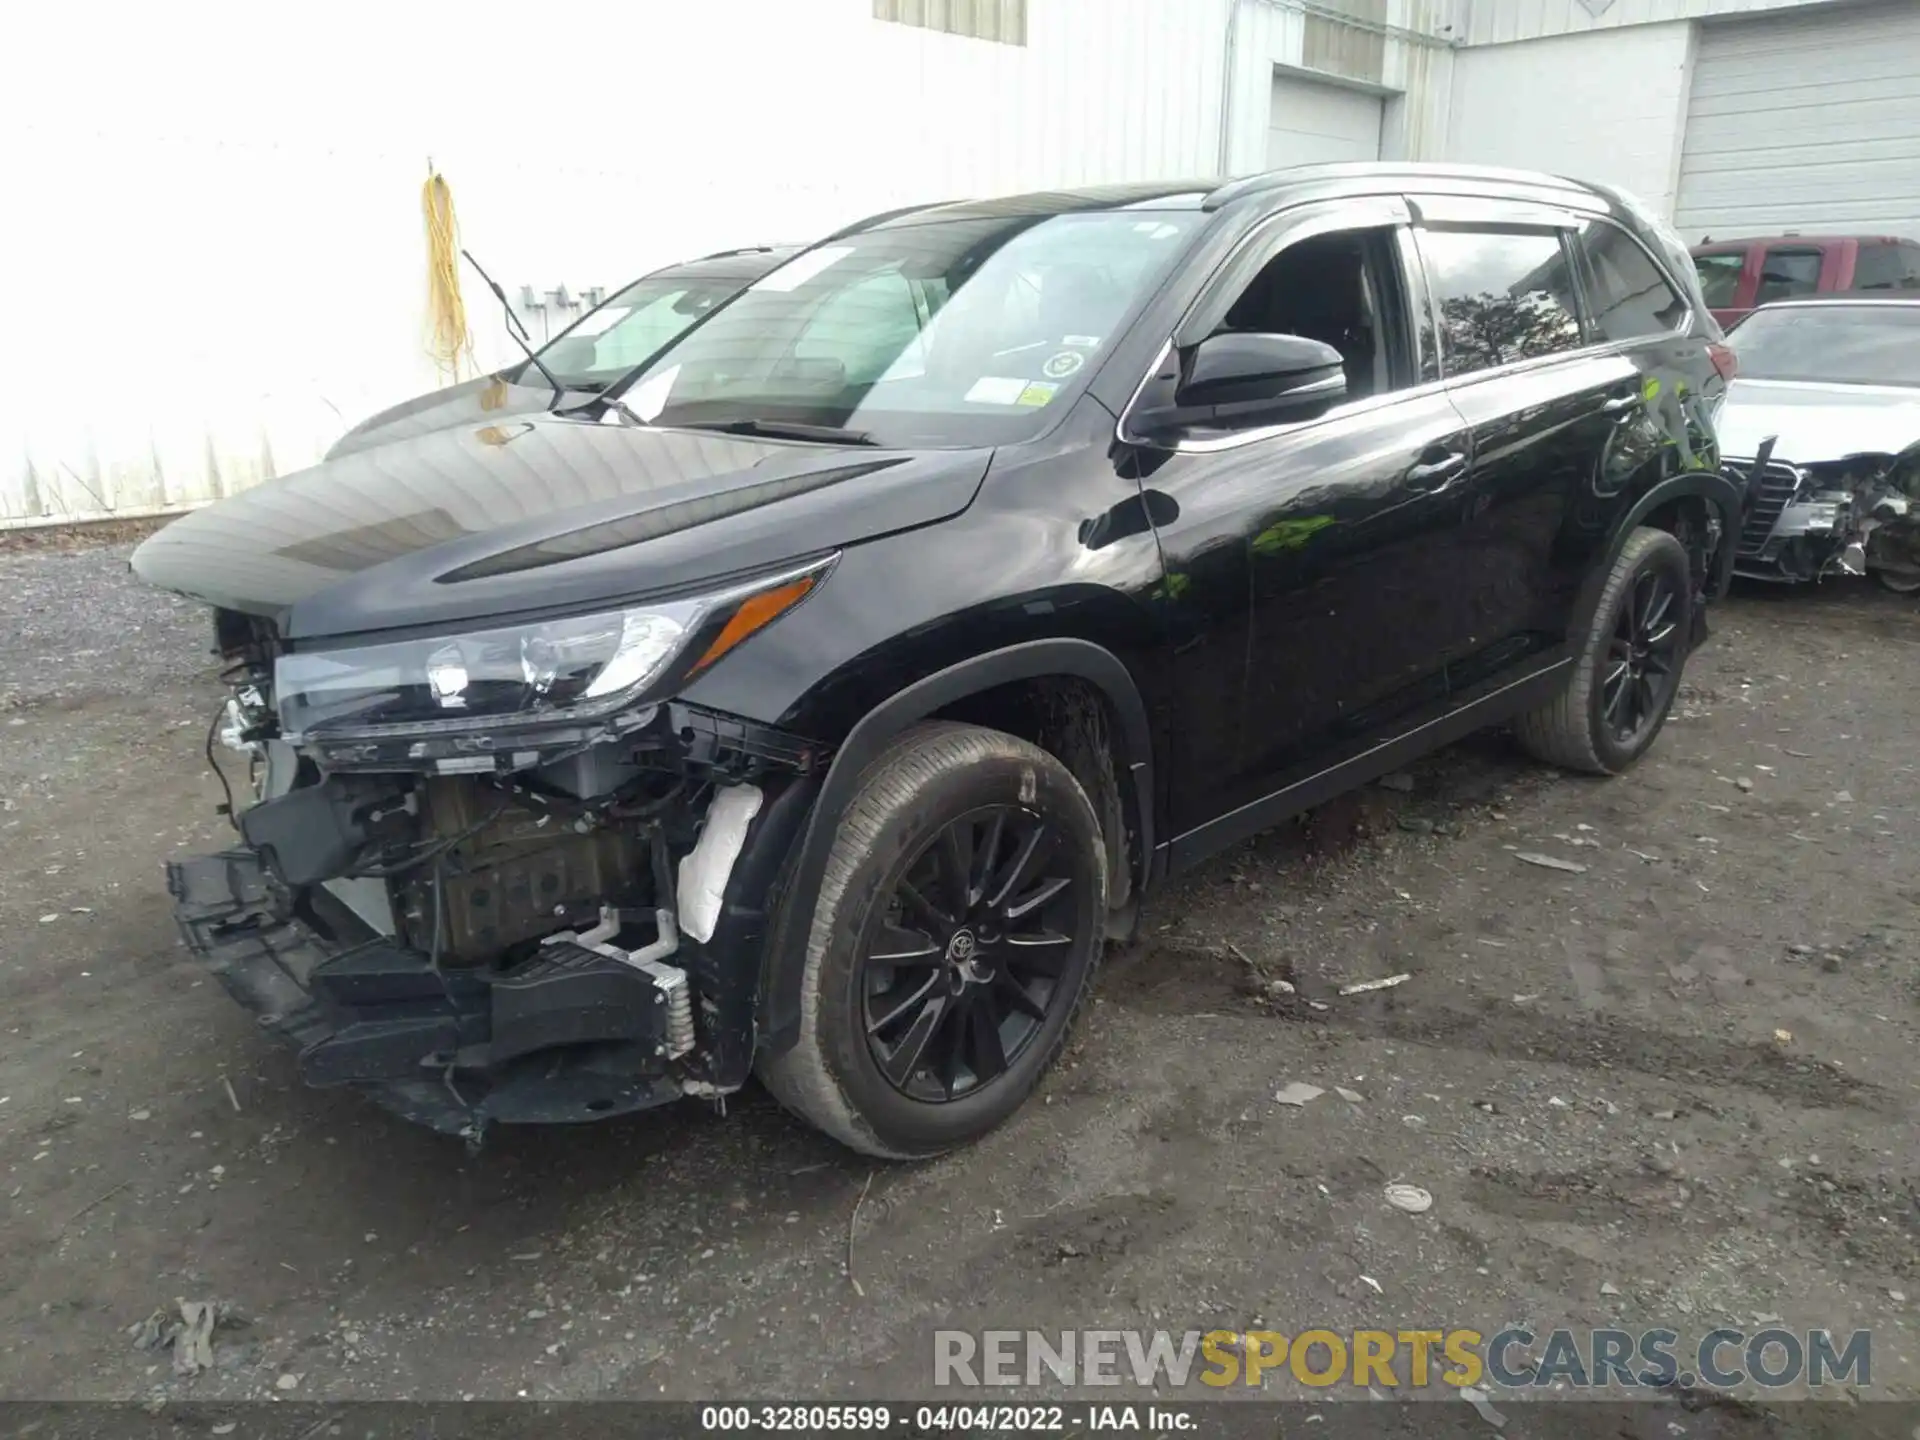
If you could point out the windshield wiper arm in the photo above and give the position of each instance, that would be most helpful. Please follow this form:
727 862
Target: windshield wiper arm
785 430
516 331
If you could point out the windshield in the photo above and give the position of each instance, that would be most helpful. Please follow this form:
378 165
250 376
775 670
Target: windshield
952 333
1834 344
626 330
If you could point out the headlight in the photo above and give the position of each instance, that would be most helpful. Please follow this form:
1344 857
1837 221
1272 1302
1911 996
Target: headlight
577 667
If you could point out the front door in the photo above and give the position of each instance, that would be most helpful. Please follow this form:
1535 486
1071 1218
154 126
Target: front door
1313 565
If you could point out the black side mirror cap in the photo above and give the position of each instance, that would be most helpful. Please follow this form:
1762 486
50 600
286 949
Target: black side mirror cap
1237 379
1242 367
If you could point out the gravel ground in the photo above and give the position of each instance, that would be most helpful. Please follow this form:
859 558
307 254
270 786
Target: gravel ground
1673 1088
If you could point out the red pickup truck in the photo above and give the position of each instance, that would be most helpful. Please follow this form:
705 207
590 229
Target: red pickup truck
1738 275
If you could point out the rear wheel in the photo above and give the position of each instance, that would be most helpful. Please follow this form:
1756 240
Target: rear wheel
1899 584
953 941
1628 672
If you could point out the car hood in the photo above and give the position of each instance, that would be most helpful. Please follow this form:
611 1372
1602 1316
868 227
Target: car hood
1817 423
537 513
471 402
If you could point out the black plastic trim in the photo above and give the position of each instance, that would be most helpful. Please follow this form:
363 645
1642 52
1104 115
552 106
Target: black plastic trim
1250 819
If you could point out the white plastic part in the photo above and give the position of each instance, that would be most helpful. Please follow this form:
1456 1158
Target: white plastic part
702 882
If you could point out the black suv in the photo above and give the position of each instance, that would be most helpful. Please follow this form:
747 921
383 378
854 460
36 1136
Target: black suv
815 701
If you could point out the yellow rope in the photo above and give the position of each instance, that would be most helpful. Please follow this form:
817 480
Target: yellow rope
450 342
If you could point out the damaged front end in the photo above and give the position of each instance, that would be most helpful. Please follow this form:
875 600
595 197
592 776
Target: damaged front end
1848 516
494 914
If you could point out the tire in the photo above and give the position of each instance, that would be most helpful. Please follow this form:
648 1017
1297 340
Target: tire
936 781
1576 729
1898 584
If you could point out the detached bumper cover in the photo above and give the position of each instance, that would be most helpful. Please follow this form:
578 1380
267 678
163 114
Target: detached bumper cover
446 1050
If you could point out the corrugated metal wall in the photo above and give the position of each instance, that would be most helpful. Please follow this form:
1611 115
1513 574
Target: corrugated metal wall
1805 122
1495 22
1604 107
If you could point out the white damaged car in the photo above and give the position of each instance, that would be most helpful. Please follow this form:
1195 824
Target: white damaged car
1835 383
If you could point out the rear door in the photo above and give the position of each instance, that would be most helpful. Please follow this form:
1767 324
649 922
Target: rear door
1542 400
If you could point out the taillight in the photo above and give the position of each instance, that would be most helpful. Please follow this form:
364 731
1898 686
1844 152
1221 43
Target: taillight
1724 360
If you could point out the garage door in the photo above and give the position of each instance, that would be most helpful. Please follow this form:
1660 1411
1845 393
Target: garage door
1808 122
1314 121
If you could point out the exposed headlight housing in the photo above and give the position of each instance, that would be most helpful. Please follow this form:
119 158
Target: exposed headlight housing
571 668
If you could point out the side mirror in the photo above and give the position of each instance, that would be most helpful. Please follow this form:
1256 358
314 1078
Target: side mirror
1280 371
1239 379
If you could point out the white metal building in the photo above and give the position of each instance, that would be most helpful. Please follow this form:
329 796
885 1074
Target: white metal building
216 253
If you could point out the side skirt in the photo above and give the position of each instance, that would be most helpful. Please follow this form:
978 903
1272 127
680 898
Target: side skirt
1250 819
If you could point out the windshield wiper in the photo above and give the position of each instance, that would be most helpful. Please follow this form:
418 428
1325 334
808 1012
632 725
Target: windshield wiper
784 430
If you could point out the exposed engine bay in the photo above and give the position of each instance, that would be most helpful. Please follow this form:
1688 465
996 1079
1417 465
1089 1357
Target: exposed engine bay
1856 515
539 933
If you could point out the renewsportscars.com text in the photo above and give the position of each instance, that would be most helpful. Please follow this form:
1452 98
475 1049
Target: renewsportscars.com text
1512 1359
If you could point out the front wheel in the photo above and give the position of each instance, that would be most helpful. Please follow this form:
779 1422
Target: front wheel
1627 674
953 941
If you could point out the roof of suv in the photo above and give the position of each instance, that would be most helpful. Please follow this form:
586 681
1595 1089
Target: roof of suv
747 263
1212 193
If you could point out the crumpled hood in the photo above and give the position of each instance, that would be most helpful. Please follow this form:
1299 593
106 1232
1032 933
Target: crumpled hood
537 513
1817 423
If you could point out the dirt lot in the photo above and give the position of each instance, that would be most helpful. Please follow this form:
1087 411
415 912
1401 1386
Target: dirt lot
1676 1088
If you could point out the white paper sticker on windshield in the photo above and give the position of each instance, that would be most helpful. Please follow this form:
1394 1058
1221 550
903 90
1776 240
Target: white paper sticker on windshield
802 268
649 397
997 390
1081 342
602 320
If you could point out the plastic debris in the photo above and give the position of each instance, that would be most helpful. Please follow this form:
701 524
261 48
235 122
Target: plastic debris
1549 862
1352 1097
1783 1037
1360 987
187 1327
1410 1198
1607 1287
1374 1283
1297 1093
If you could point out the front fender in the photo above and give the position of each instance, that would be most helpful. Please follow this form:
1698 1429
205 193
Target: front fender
786 953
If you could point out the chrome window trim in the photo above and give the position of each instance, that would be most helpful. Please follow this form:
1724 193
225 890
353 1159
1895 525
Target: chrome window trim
1488 214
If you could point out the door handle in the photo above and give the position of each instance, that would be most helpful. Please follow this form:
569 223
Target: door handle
1438 473
1620 404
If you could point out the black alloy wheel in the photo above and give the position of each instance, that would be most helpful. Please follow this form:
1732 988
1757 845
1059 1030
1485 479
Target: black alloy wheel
962 965
1642 667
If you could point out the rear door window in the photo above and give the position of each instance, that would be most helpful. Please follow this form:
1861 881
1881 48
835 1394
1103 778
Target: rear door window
1885 267
1503 295
1627 294
1787 272
1720 278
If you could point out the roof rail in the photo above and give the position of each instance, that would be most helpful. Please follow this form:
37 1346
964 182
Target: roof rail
1353 169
